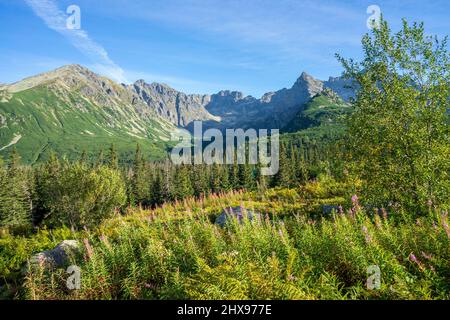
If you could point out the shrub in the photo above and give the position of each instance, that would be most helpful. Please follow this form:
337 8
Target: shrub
76 195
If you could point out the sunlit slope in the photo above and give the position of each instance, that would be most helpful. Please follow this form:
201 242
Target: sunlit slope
75 111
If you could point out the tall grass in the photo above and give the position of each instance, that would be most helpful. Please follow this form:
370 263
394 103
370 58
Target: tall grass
177 252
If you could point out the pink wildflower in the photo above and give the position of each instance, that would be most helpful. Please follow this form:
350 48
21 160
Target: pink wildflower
89 250
366 234
427 256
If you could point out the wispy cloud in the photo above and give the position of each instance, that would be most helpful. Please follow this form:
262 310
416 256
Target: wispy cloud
55 19
291 27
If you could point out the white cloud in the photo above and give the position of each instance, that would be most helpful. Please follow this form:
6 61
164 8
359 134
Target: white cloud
294 27
55 19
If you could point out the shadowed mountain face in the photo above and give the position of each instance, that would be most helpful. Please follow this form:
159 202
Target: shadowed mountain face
72 109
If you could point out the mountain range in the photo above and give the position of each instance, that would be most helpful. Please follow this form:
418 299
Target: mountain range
72 109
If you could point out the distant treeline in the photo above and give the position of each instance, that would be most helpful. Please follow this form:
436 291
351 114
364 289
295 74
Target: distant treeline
83 192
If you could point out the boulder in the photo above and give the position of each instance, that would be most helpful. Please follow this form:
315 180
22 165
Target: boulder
328 209
57 257
235 213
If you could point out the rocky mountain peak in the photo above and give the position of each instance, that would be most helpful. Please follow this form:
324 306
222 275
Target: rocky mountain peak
235 95
308 83
344 87
229 108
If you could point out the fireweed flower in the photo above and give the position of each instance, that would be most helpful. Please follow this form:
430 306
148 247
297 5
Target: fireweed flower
356 207
446 228
89 250
427 256
414 259
366 234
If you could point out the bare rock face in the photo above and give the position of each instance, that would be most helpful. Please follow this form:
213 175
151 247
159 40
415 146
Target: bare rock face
55 258
272 111
287 102
232 109
345 88
176 107
139 102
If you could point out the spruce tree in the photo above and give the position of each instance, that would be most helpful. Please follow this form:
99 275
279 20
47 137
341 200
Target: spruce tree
15 195
245 176
183 186
83 157
199 179
157 196
100 159
139 181
113 160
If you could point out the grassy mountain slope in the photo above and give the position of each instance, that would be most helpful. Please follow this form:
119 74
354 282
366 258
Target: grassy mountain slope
76 110
320 118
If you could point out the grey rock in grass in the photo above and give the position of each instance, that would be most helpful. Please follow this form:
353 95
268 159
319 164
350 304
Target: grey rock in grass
236 213
328 209
57 257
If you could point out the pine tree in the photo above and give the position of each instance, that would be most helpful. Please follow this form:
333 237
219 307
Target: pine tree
139 181
100 159
83 157
113 160
225 181
182 186
15 195
199 180
157 196
283 176
233 176
14 160
45 176
301 167
215 179
261 180
167 189
245 176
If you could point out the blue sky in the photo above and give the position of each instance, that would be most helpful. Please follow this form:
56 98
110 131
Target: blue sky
198 46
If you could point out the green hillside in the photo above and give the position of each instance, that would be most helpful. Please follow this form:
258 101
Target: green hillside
51 117
321 117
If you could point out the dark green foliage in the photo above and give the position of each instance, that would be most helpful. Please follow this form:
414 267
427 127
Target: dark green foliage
182 183
15 194
140 180
113 158
199 180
